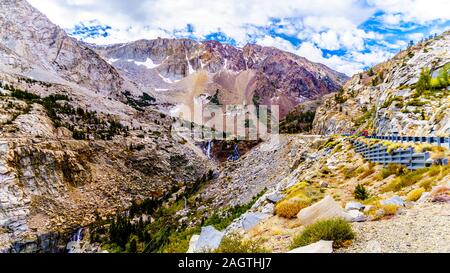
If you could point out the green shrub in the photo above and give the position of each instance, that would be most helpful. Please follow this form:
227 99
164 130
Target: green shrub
365 117
339 97
391 169
415 102
234 243
23 95
407 179
443 76
423 83
336 230
221 221
361 192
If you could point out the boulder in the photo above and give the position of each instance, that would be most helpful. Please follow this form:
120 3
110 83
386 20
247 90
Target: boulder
193 243
423 198
352 205
252 219
324 185
268 209
443 198
440 190
274 197
368 208
208 240
396 200
317 247
356 215
326 208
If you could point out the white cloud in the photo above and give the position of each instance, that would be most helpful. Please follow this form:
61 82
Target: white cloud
327 40
420 11
415 36
318 24
392 19
231 17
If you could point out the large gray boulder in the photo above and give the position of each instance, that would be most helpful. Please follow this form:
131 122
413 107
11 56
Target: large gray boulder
274 197
356 215
424 197
352 205
193 243
252 219
317 247
326 208
268 209
396 200
209 239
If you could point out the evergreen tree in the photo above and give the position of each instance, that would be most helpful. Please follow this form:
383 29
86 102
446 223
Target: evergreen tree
423 83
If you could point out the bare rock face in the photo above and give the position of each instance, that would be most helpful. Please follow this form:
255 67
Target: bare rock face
35 44
385 100
277 77
325 209
208 240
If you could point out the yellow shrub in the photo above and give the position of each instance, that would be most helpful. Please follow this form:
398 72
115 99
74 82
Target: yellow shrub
290 208
434 170
427 184
390 209
296 189
414 195
426 147
366 173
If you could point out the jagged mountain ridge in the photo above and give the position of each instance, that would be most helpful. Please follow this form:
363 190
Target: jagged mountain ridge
265 75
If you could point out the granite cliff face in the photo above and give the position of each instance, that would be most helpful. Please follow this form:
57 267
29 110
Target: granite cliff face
70 152
45 50
386 99
252 74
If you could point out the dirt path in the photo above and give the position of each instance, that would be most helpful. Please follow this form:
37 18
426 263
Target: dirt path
423 228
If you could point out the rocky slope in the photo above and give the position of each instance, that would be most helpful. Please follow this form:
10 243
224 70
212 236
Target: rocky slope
52 183
33 46
252 74
385 98
71 152
388 221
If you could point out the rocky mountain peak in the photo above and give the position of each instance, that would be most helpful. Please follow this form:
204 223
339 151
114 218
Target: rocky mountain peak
50 53
268 74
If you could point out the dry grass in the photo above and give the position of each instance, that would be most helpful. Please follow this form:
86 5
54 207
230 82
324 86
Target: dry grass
367 172
435 173
290 208
235 243
390 209
405 180
415 194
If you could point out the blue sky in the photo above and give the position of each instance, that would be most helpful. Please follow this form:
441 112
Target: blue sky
347 35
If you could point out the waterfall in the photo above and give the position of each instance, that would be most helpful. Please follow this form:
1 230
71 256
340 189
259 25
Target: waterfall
73 246
78 236
235 155
208 148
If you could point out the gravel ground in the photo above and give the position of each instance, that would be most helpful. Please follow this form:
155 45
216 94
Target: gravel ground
422 228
